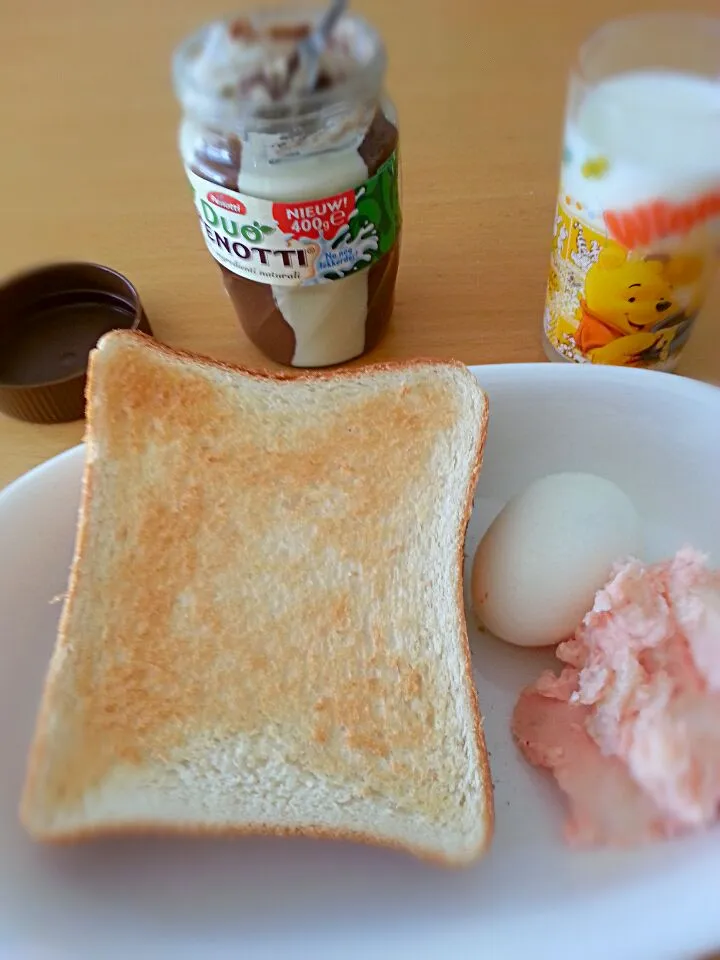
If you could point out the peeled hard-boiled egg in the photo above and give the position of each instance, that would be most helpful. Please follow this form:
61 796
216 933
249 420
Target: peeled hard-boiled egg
538 567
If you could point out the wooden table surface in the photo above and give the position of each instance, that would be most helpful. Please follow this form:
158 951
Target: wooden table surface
91 171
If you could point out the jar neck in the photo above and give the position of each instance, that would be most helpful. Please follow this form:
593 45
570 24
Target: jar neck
338 103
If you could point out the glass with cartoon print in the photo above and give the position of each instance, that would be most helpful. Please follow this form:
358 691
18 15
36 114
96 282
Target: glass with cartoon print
637 225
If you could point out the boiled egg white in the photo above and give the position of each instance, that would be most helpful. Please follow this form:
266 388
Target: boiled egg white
538 567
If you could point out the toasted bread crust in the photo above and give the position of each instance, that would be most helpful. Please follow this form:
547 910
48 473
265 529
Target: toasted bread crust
250 829
194 831
332 373
489 809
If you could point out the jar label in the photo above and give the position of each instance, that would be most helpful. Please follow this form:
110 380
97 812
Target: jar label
626 284
303 243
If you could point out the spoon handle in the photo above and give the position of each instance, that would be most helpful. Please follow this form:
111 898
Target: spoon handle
314 44
326 23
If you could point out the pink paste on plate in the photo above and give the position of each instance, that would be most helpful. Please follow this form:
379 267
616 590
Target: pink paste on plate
631 727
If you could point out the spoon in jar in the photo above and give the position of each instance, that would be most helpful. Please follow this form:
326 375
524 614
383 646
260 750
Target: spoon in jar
310 48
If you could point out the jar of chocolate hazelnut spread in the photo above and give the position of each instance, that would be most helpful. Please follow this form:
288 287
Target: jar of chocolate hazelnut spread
296 188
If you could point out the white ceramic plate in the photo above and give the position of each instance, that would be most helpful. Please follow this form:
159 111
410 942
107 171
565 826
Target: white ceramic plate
656 435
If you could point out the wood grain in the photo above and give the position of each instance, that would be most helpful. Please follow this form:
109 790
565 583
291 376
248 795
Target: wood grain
91 171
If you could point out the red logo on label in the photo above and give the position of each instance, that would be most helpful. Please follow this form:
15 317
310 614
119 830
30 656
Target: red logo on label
227 203
315 218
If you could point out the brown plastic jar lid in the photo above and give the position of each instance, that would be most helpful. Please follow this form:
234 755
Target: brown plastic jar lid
50 320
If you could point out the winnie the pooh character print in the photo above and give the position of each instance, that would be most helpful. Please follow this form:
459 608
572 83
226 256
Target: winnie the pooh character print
621 292
628 313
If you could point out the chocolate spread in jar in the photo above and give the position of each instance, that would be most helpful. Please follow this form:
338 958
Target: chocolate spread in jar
256 304
320 323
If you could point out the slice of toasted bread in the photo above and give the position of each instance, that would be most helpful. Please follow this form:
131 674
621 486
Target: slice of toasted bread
264 630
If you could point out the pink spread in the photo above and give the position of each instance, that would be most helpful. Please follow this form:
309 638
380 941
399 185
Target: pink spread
631 727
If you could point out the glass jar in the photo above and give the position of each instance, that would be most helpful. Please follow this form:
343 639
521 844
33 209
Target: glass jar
296 192
637 226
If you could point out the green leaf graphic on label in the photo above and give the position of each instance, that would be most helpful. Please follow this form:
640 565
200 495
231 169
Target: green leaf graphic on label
373 227
356 225
370 208
386 241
